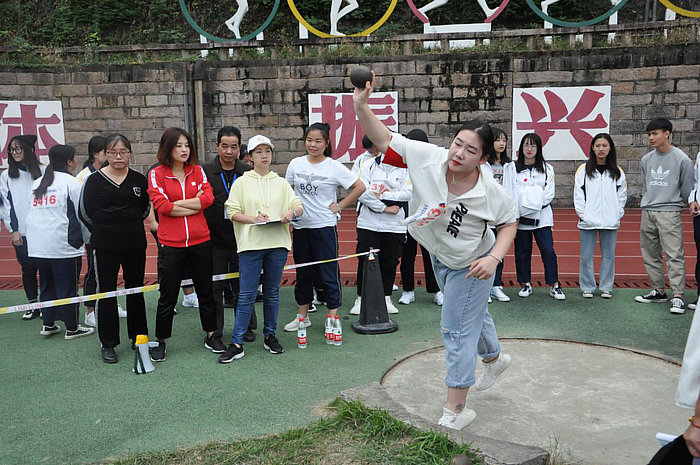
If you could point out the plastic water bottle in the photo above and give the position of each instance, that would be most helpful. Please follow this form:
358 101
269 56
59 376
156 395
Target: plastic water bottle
330 336
337 331
301 334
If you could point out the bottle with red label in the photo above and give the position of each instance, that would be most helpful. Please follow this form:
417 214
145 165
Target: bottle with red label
301 334
337 331
330 337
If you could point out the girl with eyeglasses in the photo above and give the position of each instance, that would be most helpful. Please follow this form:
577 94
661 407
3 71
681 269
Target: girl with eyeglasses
530 182
16 192
113 205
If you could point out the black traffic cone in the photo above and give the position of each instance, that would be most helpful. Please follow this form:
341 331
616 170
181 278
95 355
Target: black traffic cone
374 318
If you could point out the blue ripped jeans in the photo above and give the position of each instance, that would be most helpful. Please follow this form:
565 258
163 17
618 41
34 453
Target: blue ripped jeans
466 324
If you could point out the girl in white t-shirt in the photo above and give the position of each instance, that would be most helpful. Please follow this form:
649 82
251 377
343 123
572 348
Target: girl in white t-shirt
498 159
452 206
315 178
530 182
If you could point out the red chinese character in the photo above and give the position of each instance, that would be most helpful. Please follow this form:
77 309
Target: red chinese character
342 118
28 123
561 119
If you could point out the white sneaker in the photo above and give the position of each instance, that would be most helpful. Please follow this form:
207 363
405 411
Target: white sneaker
438 298
122 312
394 287
312 308
587 294
456 421
498 294
190 300
557 292
390 305
525 290
492 371
355 310
90 319
294 324
489 301
407 297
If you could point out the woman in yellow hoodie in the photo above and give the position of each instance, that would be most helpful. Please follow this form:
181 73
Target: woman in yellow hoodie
261 205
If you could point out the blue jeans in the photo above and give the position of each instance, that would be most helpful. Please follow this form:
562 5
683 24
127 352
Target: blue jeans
586 275
271 261
523 254
466 324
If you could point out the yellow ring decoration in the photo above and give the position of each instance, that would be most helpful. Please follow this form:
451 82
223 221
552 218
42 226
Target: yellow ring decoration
679 10
325 35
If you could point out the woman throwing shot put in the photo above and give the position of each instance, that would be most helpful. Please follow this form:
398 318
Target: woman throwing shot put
461 204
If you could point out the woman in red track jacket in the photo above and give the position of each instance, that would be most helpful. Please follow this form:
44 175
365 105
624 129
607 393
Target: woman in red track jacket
180 192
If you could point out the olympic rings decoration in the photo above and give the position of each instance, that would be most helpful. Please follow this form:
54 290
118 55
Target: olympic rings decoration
325 35
185 11
424 19
590 22
213 38
679 10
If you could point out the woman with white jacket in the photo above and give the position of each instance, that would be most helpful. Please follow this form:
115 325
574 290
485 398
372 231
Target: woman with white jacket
530 182
600 194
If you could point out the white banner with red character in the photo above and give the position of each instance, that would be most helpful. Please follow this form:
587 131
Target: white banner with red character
337 111
43 119
565 118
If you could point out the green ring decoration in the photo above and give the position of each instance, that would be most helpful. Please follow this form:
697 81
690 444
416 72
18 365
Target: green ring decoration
590 22
213 38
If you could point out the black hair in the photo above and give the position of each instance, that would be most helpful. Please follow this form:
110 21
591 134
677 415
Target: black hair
228 131
417 134
660 123
503 156
366 142
539 156
325 132
59 156
483 131
30 161
244 151
112 140
610 160
96 145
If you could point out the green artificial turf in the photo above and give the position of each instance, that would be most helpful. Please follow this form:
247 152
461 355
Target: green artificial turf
62 404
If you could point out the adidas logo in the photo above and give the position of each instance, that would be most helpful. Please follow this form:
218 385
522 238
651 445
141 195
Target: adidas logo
658 177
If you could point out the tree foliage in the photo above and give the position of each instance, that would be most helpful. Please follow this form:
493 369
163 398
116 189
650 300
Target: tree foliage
113 22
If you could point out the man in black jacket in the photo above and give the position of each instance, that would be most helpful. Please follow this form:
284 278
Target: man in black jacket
222 172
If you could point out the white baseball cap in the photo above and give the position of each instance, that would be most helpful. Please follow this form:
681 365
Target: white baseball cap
259 140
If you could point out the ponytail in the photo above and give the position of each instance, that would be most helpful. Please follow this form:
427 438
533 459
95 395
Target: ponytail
59 156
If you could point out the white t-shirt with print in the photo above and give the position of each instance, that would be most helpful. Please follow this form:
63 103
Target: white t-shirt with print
457 230
316 186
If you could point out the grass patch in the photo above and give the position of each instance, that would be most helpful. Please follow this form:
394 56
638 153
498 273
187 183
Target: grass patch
355 434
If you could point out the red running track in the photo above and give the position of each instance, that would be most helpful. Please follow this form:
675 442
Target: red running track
629 265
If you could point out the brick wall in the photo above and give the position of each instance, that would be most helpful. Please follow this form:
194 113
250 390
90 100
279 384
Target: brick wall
436 93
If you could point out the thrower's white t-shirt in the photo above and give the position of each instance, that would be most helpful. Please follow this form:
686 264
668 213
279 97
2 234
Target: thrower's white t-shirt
316 186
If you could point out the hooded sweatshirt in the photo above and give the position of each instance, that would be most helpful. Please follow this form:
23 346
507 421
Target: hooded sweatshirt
268 194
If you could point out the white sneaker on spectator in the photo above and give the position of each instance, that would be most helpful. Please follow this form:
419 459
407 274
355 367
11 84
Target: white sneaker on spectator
390 308
122 312
190 300
355 310
492 371
294 324
394 287
90 319
438 298
525 290
456 421
498 294
407 297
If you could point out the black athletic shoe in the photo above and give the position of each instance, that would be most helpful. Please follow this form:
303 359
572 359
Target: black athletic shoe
214 344
158 352
653 296
80 331
273 345
232 353
31 314
249 336
109 355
